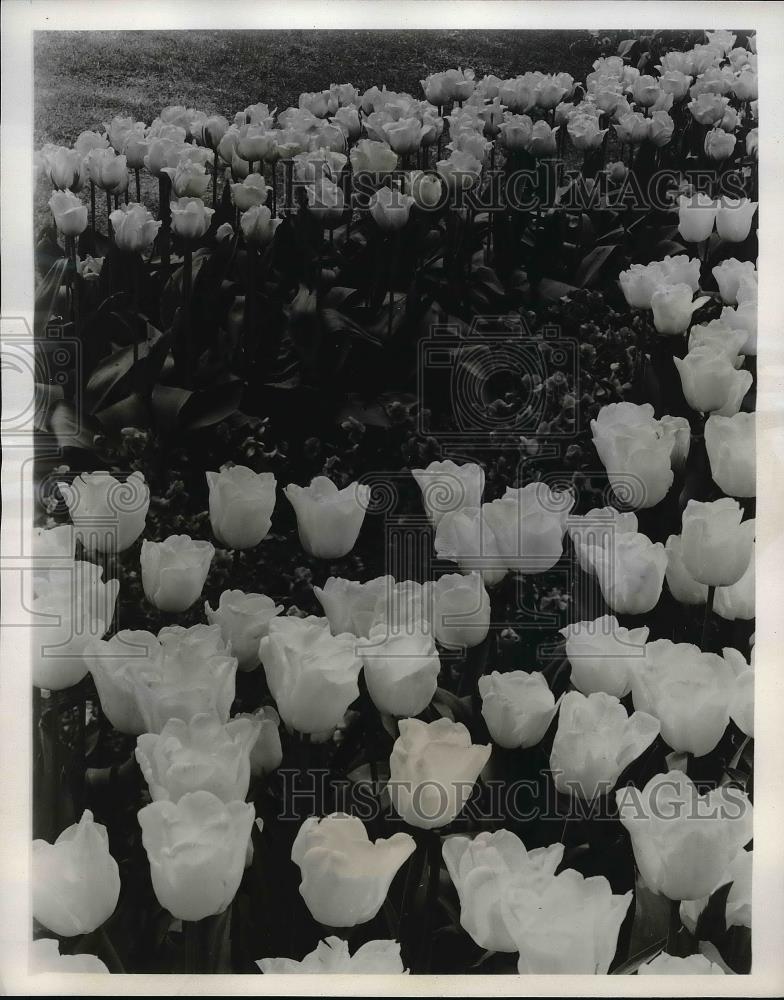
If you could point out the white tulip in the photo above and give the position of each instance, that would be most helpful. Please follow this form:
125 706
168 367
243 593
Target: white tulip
328 519
731 447
174 571
108 515
518 707
711 383
683 586
673 965
266 753
729 275
716 545
401 670
737 911
604 656
631 573
332 956
449 487
244 621
598 527
350 606
458 609
241 505
45 957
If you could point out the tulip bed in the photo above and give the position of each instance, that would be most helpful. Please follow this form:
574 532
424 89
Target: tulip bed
395 551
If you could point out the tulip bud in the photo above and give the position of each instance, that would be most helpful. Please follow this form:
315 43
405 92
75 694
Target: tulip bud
188 179
135 149
174 571
460 172
311 674
65 168
200 755
466 537
518 707
390 209
432 768
734 217
636 452
515 132
251 192
224 232
90 140
459 610
108 515
631 573
162 152
328 519
346 876
683 586
672 307
696 217
196 849
585 133
684 842
661 128
598 527
729 275
604 655
529 535
676 83
134 227
447 487
332 956
719 145
716 545
75 880
633 127
746 85
401 669
595 741
752 143
70 215
190 218
107 170
241 505
711 383
708 109
426 189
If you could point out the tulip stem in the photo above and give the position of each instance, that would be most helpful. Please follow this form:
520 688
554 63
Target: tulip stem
706 619
215 179
109 214
108 951
138 185
674 927
92 206
431 849
164 213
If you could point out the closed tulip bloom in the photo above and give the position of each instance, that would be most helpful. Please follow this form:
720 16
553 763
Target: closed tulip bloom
432 770
257 225
345 875
70 215
569 925
672 307
328 519
401 669
683 586
719 145
436 88
738 600
108 515
350 606
311 674
88 140
543 139
75 880
200 755
326 203
45 957
707 108
728 277
196 849
585 133
752 143
459 610
639 282
390 209
135 149
635 451
730 443
227 146
460 172
190 218
252 191
595 742
175 570
332 956
672 965
529 538
518 707
107 170
633 127
244 621
266 753
65 168
212 130
603 655
426 189
717 546
598 527
483 869
696 217
684 842
162 152
661 128
119 128
188 179
743 317
254 142
746 85
734 217
71 607
516 132
737 910
631 573
471 142
742 691
467 538
404 136
241 505
372 157
711 382
446 487
675 82
134 227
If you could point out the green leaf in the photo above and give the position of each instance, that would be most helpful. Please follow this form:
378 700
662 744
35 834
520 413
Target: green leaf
130 369
592 265
712 922
49 298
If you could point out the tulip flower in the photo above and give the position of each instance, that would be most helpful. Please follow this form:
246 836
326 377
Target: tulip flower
332 956
345 875
672 307
737 601
595 741
737 910
190 218
460 172
196 848
717 547
212 131
350 606
517 95
696 217
404 135
672 965
162 153
432 770
518 707
244 621
733 218
684 842
326 203
174 571
200 755
372 157
711 383
543 140
71 607
390 209
75 880
585 133
719 145
311 674
746 85
257 225
134 227
143 682
639 282
604 656
730 443
675 82
515 132
188 179
598 527
436 88
636 452
266 753
328 519
483 870
568 924
459 610
708 109
108 170
426 189
631 573
633 127
65 168
401 669
728 277
251 192
683 586
720 338
742 691
447 487
70 215
529 536
108 515
743 317
45 957
752 143
467 538
135 149
241 505
661 128
402 607
90 140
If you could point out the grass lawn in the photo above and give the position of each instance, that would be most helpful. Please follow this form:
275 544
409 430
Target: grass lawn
83 78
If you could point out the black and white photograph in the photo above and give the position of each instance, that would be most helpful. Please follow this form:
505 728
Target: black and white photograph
380 479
